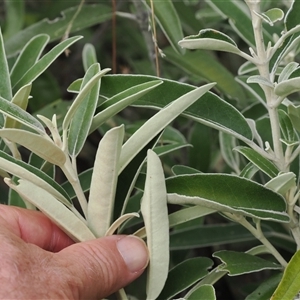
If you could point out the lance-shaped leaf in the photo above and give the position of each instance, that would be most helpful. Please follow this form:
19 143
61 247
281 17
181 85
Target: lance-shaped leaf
41 146
292 18
287 71
89 15
82 118
21 100
238 263
205 291
80 98
210 110
158 122
294 114
38 68
259 161
28 57
194 269
89 56
210 39
115 225
271 16
155 214
289 135
229 193
289 285
120 101
282 183
104 182
74 227
5 84
25 171
17 113
169 22
287 87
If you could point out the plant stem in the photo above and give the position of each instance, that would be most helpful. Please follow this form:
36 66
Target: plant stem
258 233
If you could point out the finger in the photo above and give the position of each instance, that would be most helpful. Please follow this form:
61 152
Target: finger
100 267
33 227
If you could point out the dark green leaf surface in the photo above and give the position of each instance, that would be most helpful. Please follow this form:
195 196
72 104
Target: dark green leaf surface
287 129
230 193
184 275
210 109
259 161
238 263
204 292
88 16
5 84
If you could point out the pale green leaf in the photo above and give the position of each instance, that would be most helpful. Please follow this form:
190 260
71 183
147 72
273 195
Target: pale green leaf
115 225
155 214
18 114
83 112
194 269
210 39
39 67
157 123
228 193
246 68
272 15
294 114
120 101
25 171
260 80
259 161
74 227
289 285
89 56
249 171
287 71
28 57
289 135
80 98
204 292
20 99
40 145
287 87
238 263
104 182
5 84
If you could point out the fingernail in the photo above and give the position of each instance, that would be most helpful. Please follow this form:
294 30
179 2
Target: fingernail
134 252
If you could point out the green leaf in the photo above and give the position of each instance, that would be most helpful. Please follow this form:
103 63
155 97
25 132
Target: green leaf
14 17
266 289
287 87
28 57
210 39
155 214
184 275
209 110
282 183
228 193
5 84
39 67
82 117
25 171
17 113
288 132
249 171
120 101
259 161
287 71
89 56
42 146
158 122
169 22
104 182
204 65
292 17
227 144
53 209
294 114
272 15
289 285
180 170
80 98
204 292
88 16
260 80
246 68
238 263
21 100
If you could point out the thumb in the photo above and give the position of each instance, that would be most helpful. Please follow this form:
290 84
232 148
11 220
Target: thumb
100 267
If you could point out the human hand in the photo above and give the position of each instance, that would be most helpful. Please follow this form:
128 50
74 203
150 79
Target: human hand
39 261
